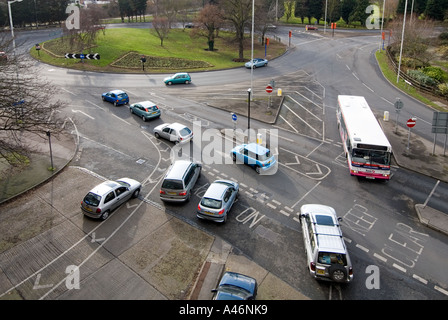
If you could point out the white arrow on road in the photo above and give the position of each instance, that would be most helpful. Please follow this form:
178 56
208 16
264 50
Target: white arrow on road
97 240
38 286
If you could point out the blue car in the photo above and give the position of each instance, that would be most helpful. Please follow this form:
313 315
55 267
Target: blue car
256 62
254 155
116 97
236 286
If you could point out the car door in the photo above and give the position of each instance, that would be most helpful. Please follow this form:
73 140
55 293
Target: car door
229 198
122 195
165 133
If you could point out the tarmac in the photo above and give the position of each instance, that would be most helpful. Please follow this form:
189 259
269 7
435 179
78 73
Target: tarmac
220 255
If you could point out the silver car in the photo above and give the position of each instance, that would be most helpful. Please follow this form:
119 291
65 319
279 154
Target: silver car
175 132
327 255
109 195
218 200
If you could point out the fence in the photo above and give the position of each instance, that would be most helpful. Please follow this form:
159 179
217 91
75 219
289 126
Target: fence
417 85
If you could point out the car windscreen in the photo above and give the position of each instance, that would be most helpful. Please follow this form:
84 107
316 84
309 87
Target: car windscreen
172 184
185 132
92 199
211 203
122 95
332 258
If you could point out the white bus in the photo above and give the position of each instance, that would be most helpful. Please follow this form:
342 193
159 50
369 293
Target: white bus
366 147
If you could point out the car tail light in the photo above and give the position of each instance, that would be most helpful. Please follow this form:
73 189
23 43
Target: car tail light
183 193
350 271
98 210
221 212
312 266
199 207
162 192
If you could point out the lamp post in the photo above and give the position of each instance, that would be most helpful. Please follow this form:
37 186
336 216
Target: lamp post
402 39
51 152
11 24
248 112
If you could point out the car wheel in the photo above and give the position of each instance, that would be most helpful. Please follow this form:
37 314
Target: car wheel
187 82
131 110
136 193
115 103
257 169
337 273
157 135
104 99
105 215
265 64
234 157
169 83
143 118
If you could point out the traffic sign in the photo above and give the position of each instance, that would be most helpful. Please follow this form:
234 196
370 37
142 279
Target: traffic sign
234 117
94 56
269 89
411 122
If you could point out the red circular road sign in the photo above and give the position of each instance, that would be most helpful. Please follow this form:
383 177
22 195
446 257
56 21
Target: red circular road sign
410 123
269 89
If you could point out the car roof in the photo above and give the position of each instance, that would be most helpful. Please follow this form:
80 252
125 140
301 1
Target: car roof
256 148
238 279
117 91
176 125
146 103
104 188
216 190
177 168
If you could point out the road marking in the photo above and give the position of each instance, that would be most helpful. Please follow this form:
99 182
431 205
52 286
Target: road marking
362 248
399 267
121 119
68 91
424 281
441 290
306 194
79 111
376 255
310 126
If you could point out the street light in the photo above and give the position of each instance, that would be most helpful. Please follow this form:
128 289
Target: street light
11 24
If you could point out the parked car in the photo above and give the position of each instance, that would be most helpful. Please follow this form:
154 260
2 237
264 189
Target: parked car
181 77
179 180
109 195
235 286
116 97
254 155
327 255
256 62
175 132
145 109
310 27
218 200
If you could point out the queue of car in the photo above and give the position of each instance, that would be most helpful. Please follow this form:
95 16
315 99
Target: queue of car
327 256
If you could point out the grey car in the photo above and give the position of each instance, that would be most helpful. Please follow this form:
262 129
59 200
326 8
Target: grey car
174 132
145 109
218 200
109 195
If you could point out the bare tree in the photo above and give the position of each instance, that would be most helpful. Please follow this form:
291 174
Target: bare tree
27 107
208 23
161 26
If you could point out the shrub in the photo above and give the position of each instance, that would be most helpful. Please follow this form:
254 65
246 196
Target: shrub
436 73
421 77
443 88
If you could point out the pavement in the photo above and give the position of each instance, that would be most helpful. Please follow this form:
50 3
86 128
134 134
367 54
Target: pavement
219 255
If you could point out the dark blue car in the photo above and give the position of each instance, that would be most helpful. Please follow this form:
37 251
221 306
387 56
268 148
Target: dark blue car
116 97
236 286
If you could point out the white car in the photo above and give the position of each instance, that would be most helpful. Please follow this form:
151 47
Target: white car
109 195
327 255
174 132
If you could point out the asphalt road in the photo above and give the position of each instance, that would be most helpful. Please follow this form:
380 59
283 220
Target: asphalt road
379 226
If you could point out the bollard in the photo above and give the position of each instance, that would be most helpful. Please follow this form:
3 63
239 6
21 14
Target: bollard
386 116
279 92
